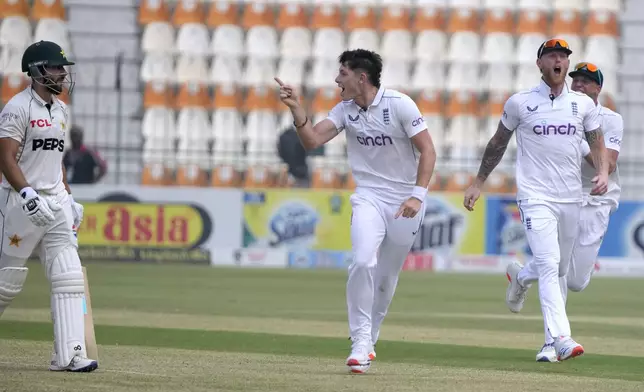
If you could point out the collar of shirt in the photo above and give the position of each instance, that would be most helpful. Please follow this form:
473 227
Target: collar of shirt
376 99
39 99
545 90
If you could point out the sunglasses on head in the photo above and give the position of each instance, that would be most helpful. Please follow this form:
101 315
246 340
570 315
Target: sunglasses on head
586 66
556 43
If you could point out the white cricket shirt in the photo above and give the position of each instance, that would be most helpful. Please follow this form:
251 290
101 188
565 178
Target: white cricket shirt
41 134
383 159
613 128
549 138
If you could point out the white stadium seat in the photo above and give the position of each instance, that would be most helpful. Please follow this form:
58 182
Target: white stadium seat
602 50
193 39
431 45
157 67
397 45
464 46
258 72
51 29
227 124
191 68
158 37
363 39
497 48
527 76
193 125
10 61
463 77
323 73
395 74
498 78
328 43
159 123
291 70
430 76
527 46
227 40
261 42
296 43
225 70
15 32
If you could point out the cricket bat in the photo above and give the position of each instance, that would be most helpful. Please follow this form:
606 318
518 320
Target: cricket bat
90 337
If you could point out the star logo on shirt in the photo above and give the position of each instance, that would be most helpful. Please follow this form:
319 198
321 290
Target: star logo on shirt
15 240
62 125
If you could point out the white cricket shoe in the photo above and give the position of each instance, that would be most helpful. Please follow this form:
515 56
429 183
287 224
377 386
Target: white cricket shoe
547 353
567 348
516 294
78 364
359 361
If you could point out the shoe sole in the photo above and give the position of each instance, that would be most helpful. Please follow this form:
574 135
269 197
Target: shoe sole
87 369
356 367
577 351
546 358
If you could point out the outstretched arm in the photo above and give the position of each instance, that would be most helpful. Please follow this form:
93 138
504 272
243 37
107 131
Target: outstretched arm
494 152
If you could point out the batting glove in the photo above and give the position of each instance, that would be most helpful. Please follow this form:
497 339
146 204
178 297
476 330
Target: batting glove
77 212
39 211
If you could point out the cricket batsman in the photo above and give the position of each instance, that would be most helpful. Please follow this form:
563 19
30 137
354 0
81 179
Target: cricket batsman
550 122
595 212
392 158
37 210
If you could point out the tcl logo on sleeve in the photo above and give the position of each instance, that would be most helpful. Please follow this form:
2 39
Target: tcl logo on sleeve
41 123
49 144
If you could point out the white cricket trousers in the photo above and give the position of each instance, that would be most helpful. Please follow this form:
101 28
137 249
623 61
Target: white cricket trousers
56 246
551 229
593 223
380 244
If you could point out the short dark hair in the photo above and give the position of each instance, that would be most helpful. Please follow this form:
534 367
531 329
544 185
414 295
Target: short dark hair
366 60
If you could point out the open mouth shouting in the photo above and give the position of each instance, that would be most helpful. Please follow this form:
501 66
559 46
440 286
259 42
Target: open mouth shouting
557 70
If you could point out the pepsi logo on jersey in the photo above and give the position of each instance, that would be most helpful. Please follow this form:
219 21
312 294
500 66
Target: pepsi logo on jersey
40 123
379 141
546 129
48 144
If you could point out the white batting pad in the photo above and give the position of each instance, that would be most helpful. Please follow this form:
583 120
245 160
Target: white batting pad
11 281
67 293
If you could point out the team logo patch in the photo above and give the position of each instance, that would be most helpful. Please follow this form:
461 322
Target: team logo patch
532 109
15 240
385 116
573 106
354 119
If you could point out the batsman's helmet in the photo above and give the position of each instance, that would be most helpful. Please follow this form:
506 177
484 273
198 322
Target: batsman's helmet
42 56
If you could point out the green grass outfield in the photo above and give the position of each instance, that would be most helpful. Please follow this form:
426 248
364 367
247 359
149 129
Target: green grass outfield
194 328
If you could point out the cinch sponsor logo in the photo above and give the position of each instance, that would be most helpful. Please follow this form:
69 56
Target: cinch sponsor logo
545 129
49 144
381 140
417 122
42 123
615 140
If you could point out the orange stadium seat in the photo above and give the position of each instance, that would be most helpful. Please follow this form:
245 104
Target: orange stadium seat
394 17
258 13
325 99
223 13
360 17
14 8
260 98
325 178
496 183
191 175
429 18
12 85
458 181
292 15
601 22
498 21
153 11
48 9
188 11
326 16
436 183
532 21
566 22
225 176
64 96
226 96
158 93
156 174
259 176
463 19
349 182
192 94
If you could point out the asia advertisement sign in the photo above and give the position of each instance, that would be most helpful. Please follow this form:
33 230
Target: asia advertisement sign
165 224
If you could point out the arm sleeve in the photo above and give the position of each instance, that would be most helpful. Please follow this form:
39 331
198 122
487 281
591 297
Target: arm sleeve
510 117
412 120
591 118
13 122
336 115
614 132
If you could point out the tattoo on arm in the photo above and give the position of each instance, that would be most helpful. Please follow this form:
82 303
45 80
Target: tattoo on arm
595 140
494 152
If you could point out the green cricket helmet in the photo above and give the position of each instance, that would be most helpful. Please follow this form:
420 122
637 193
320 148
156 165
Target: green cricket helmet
43 61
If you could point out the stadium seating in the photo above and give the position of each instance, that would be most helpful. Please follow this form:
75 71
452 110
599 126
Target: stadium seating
209 66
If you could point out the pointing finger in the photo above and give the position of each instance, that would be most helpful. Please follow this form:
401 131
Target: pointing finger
279 81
